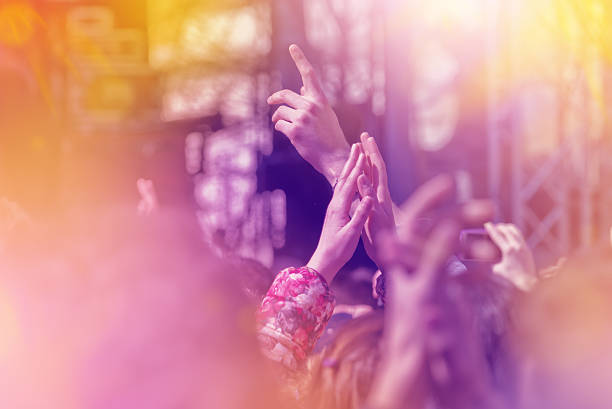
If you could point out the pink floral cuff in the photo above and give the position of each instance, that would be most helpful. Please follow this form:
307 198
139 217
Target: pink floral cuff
293 315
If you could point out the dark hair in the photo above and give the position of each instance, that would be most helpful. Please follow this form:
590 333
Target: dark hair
254 278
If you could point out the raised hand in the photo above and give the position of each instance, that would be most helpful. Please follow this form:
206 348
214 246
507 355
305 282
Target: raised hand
381 218
430 346
340 233
517 264
309 121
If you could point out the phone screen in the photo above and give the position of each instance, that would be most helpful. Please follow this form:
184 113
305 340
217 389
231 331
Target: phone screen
476 245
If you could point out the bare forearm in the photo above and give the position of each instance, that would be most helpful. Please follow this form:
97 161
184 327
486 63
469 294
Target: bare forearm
332 165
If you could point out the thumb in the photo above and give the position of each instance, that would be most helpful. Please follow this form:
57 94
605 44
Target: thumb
364 186
361 214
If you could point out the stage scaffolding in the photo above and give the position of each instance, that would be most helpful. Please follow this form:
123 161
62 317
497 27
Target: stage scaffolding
557 195
554 191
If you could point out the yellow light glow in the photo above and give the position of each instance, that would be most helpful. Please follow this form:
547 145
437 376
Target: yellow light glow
18 23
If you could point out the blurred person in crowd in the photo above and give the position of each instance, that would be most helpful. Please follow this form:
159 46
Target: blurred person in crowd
423 351
564 336
118 311
432 354
254 278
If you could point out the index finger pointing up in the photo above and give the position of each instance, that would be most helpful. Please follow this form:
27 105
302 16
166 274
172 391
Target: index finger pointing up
309 78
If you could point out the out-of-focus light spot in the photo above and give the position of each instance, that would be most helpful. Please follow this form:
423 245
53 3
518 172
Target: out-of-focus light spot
466 14
161 55
378 95
18 22
238 100
38 143
435 101
190 97
203 34
435 67
243 185
322 29
224 152
110 93
235 31
210 192
357 81
193 152
538 108
436 123
332 82
278 217
244 160
90 21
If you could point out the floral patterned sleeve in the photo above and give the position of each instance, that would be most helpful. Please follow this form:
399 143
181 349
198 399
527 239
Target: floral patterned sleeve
293 315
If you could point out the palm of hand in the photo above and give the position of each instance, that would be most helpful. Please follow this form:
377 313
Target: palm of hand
517 264
378 222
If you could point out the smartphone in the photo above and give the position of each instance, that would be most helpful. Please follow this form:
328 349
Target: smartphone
476 245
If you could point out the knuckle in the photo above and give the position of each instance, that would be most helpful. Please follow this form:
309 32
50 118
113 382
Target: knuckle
312 108
308 72
294 134
302 118
332 212
321 98
291 133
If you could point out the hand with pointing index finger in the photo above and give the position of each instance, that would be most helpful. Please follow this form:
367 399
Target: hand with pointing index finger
309 121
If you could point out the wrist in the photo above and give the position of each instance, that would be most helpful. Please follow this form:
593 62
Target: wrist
319 263
333 163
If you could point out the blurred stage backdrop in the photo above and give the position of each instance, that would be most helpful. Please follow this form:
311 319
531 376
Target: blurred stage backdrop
512 96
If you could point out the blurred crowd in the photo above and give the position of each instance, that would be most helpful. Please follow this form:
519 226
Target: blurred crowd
128 308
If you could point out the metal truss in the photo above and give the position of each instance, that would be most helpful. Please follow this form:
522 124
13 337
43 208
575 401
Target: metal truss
556 196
